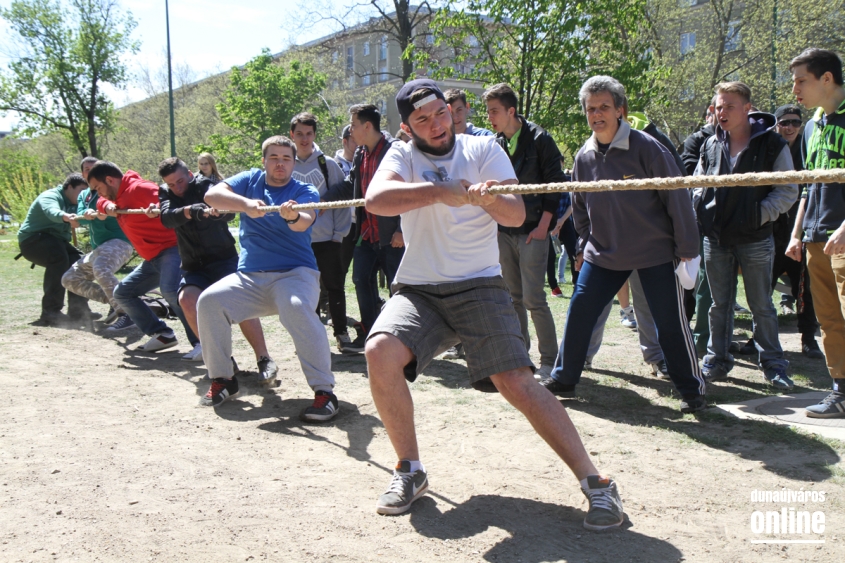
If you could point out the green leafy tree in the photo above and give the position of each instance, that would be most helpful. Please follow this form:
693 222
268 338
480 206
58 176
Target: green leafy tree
260 101
704 43
21 179
65 56
545 49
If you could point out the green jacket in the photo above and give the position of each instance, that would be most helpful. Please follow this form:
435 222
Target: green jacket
45 216
100 231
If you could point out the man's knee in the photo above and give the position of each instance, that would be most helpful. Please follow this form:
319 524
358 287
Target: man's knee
385 350
514 383
68 278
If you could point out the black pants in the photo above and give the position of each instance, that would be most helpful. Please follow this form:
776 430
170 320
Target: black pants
551 266
347 249
782 264
330 264
56 256
569 238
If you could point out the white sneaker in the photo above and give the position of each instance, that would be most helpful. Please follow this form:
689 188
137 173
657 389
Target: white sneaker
543 372
160 341
627 318
194 355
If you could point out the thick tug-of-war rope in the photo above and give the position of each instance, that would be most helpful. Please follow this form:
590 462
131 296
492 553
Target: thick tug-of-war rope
726 181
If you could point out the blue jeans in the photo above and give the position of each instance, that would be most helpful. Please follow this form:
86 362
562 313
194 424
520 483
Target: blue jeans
366 261
722 263
595 288
161 272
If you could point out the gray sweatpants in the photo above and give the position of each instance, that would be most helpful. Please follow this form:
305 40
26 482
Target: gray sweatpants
240 296
92 276
646 329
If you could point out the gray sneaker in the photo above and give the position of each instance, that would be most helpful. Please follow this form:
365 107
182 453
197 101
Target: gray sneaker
405 488
832 406
605 504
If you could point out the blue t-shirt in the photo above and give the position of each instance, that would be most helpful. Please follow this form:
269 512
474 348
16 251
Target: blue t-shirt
268 243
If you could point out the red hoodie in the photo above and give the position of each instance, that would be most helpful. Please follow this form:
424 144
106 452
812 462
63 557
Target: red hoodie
148 236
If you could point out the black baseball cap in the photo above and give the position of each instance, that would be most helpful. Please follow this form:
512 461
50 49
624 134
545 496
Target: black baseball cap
788 109
346 132
403 97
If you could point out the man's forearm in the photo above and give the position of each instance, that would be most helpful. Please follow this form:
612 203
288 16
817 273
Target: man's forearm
798 228
508 210
221 197
389 198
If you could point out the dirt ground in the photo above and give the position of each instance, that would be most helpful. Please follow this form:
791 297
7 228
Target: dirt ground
105 455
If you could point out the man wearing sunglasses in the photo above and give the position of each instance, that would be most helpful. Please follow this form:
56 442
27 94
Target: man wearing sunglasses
789 127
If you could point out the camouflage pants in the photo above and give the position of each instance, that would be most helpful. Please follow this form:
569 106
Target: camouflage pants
92 276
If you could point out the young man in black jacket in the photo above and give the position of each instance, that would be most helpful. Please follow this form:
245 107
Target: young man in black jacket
737 227
523 250
207 250
380 244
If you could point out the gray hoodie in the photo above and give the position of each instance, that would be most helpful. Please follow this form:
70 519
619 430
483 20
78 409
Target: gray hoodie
628 230
334 224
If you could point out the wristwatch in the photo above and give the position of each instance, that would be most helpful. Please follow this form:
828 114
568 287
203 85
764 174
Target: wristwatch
292 221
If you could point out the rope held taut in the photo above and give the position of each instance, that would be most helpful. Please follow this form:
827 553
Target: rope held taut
726 181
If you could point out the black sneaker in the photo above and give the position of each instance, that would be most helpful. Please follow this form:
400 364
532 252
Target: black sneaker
558 388
810 348
325 407
221 390
404 489
777 378
749 348
660 369
693 404
111 316
832 406
605 504
346 346
267 369
122 323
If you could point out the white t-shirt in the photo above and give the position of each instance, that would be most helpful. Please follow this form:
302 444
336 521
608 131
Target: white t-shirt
442 243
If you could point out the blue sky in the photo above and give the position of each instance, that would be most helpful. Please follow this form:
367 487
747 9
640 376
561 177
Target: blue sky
208 35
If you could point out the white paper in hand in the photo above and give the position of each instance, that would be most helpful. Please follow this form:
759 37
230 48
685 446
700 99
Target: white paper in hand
687 272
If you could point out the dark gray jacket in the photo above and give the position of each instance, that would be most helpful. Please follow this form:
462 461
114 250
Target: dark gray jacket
633 229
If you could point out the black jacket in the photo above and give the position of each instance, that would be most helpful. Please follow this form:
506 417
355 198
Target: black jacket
660 136
201 239
351 189
692 147
536 160
734 215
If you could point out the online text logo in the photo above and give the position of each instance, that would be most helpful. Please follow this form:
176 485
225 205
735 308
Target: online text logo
787 524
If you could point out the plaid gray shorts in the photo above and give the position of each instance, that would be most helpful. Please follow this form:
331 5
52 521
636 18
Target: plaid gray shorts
479 313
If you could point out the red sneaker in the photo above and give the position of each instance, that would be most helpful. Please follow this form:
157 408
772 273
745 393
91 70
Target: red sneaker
556 292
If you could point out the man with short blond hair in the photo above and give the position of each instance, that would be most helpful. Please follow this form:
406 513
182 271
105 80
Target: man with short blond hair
737 226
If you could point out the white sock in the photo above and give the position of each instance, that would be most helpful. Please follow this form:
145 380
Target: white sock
416 465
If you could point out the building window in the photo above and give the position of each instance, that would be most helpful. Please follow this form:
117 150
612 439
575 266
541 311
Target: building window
732 37
366 48
382 49
429 38
687 42
382 77
366 80
350 57
687 3
334 57
472 41
382 107
352 81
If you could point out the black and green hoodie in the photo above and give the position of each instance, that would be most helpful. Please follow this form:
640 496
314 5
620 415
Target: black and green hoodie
824 147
